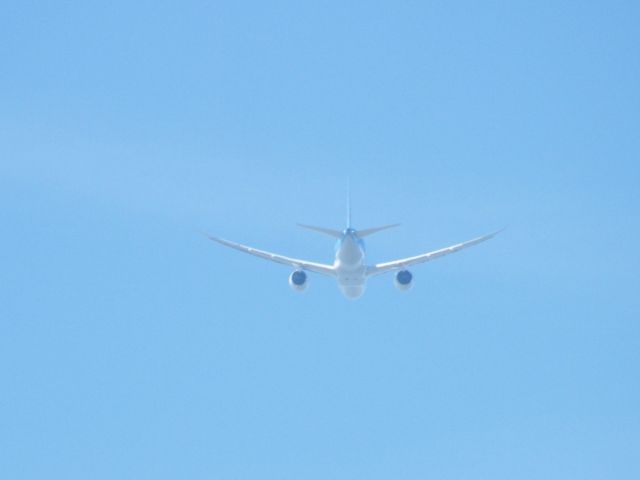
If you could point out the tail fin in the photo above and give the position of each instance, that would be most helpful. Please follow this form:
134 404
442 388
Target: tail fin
349 203
326 231
370 231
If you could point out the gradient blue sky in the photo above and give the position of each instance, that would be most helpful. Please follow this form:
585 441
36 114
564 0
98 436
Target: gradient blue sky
131 347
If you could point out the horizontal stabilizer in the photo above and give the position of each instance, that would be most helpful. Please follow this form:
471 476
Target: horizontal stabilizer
370 231
326 231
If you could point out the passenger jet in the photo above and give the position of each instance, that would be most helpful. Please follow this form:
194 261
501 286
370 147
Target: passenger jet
349 267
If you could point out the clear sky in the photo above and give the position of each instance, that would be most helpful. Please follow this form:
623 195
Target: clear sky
133 348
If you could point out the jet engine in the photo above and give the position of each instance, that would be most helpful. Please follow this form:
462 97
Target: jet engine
403 280
298 281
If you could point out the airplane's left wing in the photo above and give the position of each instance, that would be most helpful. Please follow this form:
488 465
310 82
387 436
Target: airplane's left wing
425 257
274 257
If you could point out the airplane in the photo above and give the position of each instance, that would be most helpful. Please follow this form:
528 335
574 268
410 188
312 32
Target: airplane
349 267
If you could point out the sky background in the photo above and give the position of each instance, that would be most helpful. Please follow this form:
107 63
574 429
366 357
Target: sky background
132 348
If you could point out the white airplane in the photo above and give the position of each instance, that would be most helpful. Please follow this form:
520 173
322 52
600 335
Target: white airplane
349 267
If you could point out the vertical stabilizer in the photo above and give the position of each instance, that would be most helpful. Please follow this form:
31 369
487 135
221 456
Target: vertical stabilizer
349 203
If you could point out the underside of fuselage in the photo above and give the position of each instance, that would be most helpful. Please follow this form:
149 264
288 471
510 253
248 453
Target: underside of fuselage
349 264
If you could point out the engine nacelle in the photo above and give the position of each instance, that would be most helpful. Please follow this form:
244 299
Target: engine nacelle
298 281
403 280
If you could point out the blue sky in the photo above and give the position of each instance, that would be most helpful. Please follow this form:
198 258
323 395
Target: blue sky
130 347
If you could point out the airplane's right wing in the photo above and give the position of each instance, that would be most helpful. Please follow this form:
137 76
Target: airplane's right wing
274 257
425 257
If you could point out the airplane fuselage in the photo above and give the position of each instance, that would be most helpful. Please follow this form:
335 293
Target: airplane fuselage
350 264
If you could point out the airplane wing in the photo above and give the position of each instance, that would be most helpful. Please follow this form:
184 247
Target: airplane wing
425 257
293 262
